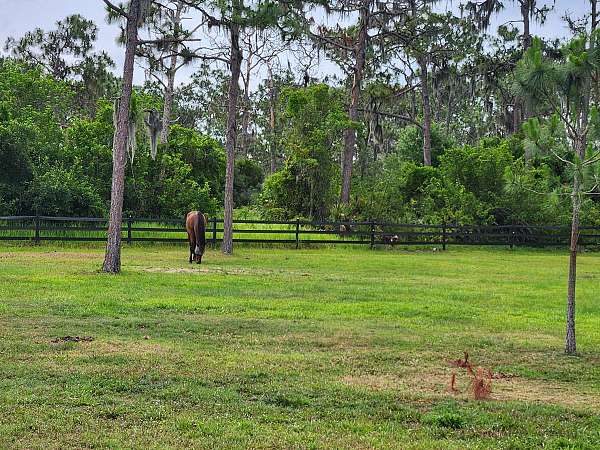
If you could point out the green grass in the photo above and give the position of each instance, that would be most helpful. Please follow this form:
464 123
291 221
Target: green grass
278 348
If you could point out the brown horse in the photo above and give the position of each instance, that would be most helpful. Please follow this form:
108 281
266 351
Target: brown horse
195 225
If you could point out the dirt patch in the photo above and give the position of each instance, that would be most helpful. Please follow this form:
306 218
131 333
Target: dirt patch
72 339
541 391
505 387
216 270
219 270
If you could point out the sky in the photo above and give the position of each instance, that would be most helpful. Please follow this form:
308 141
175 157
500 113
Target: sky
20 16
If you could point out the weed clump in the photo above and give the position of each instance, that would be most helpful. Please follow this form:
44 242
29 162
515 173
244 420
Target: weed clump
480 386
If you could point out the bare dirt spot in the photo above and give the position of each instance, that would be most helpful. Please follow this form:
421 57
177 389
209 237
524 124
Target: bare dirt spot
541 391
216 270
505 387
219 270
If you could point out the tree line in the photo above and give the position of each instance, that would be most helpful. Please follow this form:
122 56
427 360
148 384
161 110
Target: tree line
430 115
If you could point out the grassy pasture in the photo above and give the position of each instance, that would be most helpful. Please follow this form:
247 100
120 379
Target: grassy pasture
281 348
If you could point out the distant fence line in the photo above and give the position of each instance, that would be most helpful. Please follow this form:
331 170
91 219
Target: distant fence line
296 232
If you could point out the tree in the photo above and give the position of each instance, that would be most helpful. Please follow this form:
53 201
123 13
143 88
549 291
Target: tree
314 123
234 16
262 49
564 89
134 16
349 48
167 53
67 54
483 10
428 40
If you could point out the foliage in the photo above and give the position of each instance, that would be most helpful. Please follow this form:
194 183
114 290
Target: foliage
66 54
202 153
305 185
409 143
246 182
180 193
62 192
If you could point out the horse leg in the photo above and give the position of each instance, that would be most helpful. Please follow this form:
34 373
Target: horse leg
191 253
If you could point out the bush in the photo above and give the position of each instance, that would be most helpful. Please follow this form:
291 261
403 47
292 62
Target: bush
247 181
61 192
306 185
409 145
479 169
180 193
203 154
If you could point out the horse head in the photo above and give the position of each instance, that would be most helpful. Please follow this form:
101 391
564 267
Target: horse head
198 252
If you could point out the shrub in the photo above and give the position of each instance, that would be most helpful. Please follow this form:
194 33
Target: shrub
62 192
247 180
409 145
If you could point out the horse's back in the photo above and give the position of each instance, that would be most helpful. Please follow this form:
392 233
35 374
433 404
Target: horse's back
193 218
189 220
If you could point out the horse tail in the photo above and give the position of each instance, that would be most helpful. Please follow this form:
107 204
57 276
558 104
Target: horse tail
199 231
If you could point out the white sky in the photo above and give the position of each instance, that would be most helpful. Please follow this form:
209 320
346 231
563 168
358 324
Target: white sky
20 16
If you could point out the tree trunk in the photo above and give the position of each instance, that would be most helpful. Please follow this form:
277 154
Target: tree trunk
272 123
450 110
594 25
168 106
570 345
235 62
520 111
525 15
426 112
112 258
350 134
246 109
171 71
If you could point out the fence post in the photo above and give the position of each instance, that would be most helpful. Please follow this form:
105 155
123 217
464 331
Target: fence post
129 221
372 234
37 229
512 237
214 232
297 233
444 237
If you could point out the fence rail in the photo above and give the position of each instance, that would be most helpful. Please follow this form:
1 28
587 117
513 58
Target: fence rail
296 232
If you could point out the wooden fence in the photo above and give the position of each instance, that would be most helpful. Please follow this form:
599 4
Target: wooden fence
294 233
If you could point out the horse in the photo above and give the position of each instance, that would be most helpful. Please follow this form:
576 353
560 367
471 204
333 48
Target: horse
195 225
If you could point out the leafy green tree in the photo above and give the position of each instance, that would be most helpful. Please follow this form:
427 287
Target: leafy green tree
247 182
314 124
409 143
480 169
62 192
179 192
204 154
16 168
67 53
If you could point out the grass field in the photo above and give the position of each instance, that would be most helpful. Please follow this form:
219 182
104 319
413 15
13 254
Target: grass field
278 348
